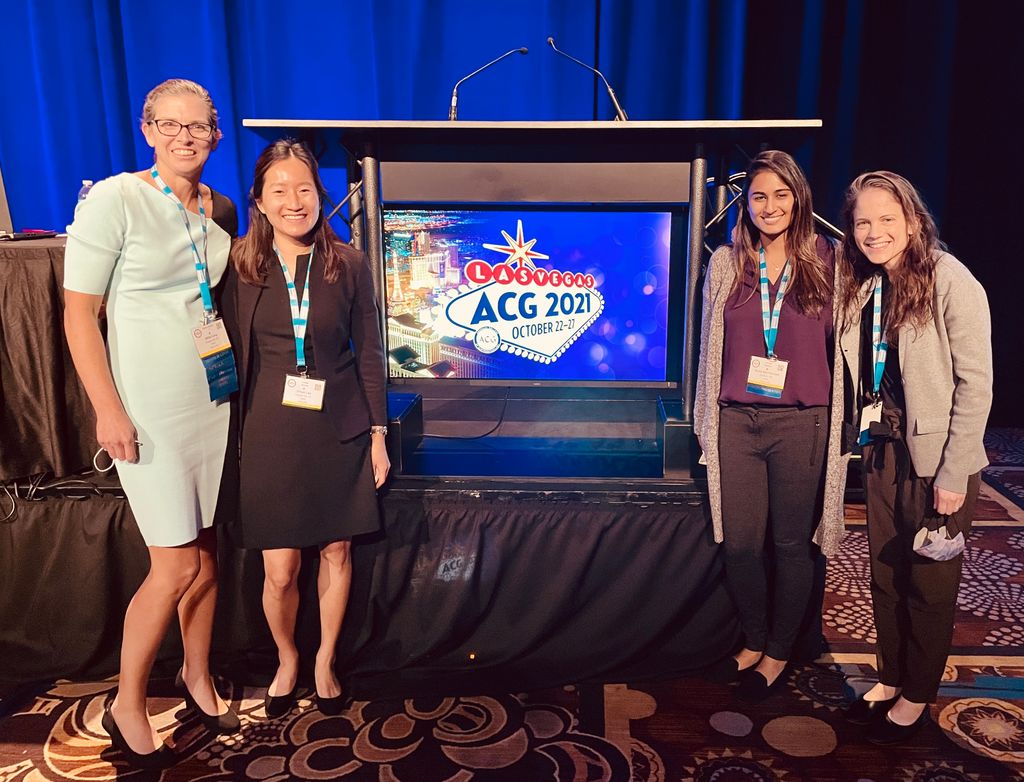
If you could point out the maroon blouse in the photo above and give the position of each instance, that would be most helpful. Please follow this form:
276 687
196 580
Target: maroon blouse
805 342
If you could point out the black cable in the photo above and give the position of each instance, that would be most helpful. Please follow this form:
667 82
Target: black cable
492 430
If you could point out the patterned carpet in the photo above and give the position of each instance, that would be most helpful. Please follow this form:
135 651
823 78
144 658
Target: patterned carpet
1006 453
671 731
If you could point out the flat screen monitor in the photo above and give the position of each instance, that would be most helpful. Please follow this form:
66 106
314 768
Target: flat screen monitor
533 295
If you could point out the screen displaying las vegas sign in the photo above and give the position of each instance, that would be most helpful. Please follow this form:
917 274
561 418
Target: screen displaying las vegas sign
527 294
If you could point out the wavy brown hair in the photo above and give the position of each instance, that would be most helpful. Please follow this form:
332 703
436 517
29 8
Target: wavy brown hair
253 254
912 298
810 284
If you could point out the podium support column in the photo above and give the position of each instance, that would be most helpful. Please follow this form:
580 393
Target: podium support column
355 207
694 257
374 249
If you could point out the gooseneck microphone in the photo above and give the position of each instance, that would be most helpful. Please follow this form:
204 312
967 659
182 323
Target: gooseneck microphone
453 110
620 114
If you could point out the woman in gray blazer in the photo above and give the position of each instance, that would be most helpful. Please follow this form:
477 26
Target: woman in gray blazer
917 344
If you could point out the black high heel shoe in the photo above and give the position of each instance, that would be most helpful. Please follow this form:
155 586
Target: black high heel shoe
217 724
278 705
158 758
332 707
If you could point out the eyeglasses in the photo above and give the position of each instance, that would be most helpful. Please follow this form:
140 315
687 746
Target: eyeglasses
200 131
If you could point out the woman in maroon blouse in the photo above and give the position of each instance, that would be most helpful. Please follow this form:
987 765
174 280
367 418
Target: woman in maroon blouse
765 386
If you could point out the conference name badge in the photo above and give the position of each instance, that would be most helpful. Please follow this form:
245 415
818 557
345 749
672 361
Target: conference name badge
214 348
767 376
872 414
303 391
521 309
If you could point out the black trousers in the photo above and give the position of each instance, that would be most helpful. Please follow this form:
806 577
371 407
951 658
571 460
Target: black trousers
773 474
913 597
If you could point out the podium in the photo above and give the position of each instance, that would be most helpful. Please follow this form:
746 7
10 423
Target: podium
606 162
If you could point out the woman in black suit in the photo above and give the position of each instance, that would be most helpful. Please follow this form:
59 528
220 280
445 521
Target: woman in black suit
312 419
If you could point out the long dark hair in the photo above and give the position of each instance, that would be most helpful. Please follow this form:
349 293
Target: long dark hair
913 278
810 285
253 254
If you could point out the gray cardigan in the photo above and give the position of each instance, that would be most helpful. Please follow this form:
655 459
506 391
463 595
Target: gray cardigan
717 286
947 377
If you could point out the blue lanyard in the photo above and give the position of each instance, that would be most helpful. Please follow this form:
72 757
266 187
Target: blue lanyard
300 309
770 320
879 347
202 272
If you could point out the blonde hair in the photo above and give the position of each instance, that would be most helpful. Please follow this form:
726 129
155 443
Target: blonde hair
178 87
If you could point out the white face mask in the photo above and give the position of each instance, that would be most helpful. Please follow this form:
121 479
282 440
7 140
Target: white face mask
937 544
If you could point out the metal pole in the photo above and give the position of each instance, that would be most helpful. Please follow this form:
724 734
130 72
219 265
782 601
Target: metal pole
375 240
694 258
355 207
722 197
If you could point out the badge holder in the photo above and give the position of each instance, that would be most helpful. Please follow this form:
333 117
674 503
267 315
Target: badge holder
214 348
767 376
301 390
872 414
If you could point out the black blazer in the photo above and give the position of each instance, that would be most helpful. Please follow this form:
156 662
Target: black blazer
345 328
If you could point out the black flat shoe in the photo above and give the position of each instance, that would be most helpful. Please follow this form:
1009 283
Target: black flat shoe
333 706
278 705
217 724
158 758
754 686
885 732
864 712
727 670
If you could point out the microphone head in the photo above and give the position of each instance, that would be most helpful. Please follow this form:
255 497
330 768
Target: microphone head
523 50
551 42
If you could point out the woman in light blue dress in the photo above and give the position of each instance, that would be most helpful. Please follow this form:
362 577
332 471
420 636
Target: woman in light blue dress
150 245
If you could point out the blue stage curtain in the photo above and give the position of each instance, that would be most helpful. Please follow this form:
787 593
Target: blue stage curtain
924 87
78 71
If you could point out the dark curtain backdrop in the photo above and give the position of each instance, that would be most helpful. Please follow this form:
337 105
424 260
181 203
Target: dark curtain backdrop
929 88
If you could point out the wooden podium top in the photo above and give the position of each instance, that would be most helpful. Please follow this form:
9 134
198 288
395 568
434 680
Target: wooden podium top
662 140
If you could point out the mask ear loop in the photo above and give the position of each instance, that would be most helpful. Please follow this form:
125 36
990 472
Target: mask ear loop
108 468
14 505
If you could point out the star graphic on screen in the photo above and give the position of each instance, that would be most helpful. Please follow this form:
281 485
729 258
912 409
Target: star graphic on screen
519 251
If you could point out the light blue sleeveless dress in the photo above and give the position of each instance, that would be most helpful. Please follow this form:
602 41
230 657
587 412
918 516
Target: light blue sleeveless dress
128 241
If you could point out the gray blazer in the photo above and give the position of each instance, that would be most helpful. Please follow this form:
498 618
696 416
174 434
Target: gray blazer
947 377
717 286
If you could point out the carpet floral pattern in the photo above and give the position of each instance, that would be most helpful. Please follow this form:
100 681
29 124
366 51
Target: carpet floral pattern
683 729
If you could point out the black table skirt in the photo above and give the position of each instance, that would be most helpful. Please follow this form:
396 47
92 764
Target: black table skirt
457 595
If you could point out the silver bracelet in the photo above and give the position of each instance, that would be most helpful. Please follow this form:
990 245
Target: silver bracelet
379 430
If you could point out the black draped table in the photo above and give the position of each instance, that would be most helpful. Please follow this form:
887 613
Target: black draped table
46 421
464 592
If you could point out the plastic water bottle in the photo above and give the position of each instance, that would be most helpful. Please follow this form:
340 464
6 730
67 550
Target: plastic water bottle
86 187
